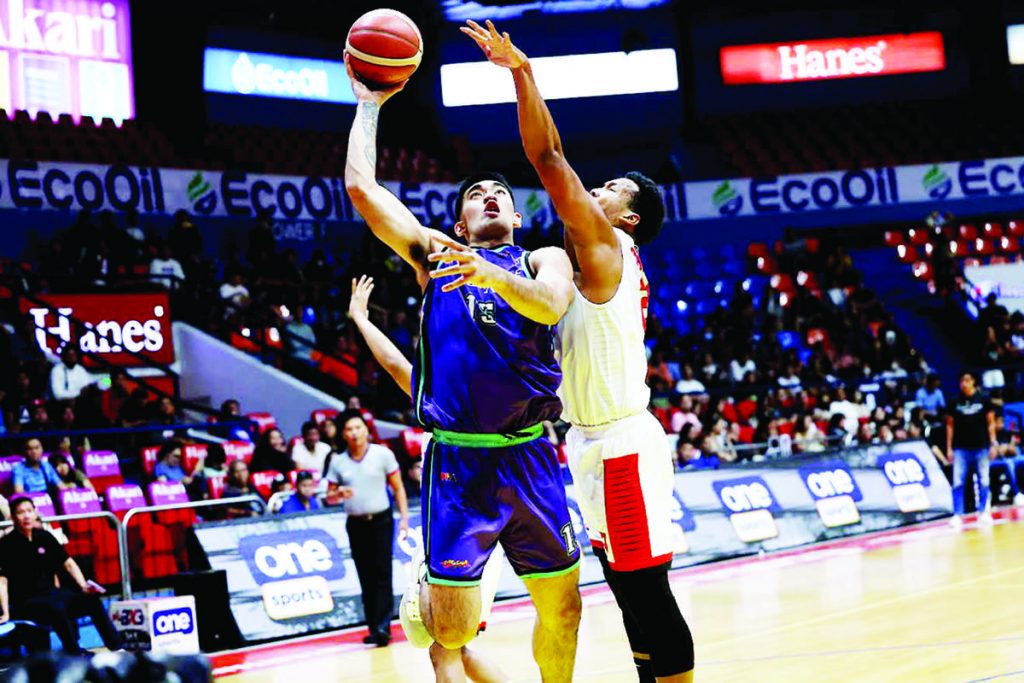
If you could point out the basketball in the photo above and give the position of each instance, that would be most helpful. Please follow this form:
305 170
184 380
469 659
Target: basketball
385 47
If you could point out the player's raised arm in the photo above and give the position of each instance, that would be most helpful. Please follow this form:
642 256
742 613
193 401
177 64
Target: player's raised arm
382 348
387 217
588 232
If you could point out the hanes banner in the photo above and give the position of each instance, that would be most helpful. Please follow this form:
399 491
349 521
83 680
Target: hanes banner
119 327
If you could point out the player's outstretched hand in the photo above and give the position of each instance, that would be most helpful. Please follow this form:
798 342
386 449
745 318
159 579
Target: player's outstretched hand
498 48
469 267
365 93
359 304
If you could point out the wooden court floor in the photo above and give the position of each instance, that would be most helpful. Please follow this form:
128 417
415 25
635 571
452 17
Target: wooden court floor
925 604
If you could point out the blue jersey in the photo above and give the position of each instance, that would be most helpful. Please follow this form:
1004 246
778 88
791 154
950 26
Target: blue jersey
481 367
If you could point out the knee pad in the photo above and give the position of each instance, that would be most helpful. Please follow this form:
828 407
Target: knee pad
649 599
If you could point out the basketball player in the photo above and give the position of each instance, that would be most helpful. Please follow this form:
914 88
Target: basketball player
484 379
477 667
619 456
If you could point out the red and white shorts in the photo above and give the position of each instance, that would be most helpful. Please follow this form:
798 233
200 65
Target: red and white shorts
623 476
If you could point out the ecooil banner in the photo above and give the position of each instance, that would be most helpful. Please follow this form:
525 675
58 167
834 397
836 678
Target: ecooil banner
149 190
875 187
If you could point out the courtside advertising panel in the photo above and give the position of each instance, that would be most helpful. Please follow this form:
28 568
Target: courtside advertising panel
294 574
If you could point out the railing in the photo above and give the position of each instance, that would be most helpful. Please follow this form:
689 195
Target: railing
126 581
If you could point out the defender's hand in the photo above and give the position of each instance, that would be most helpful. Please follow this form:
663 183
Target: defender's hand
498 48
470 267
359 304
364 93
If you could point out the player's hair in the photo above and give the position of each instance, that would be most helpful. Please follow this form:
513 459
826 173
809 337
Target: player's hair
649 205
308 426
473 180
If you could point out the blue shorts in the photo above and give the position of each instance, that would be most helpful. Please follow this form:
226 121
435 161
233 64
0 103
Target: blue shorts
475 497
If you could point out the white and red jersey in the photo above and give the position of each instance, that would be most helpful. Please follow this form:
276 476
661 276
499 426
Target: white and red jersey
601 349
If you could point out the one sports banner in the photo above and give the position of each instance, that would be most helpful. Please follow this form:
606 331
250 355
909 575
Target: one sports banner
859 189
294 574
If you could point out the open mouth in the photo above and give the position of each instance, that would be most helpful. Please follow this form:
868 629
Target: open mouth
491 209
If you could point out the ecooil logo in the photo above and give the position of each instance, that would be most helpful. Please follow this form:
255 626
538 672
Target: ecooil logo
727 200
264 78
201 194
936 183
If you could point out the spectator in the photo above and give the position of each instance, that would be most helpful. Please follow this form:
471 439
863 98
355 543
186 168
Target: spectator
1009 451
135 410
330 436
280 484
272 453
301 338
34 475
31 561
789 378
310 453
837 434
70 477
930 397
68 378
238 485
118 395
166 412
168 466
304 499
165 270
682 414
971 443
361 476
234 290
39 418
689 384
184 239
214 467
739 369
808 437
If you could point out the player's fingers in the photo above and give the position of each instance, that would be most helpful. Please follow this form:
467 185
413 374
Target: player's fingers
506 38
448 272
447 241
445 256
455 285
493 31
478 31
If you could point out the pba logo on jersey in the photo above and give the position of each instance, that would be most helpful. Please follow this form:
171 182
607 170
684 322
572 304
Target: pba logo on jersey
292 569
726 199
908 479
749 502
937 183
835 492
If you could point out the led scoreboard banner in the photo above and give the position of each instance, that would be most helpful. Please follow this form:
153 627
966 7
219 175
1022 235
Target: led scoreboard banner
66 57
833 58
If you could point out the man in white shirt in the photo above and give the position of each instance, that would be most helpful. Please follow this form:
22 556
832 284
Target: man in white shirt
740 368
68 378
234 290
310 453
165 269
689 384
362 475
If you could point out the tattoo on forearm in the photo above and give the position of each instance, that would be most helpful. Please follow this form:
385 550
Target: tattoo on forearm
371 111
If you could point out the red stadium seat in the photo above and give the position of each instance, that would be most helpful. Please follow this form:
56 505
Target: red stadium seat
918 236
413 440
239 450
264 421
1009 245
991 231
215 486
923 271
1015 228
894 238
263 481
983 247
968 232
321 414
787 428
746 434
103 469
757 250
907 254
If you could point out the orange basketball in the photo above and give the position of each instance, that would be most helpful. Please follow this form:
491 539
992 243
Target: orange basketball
384 47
